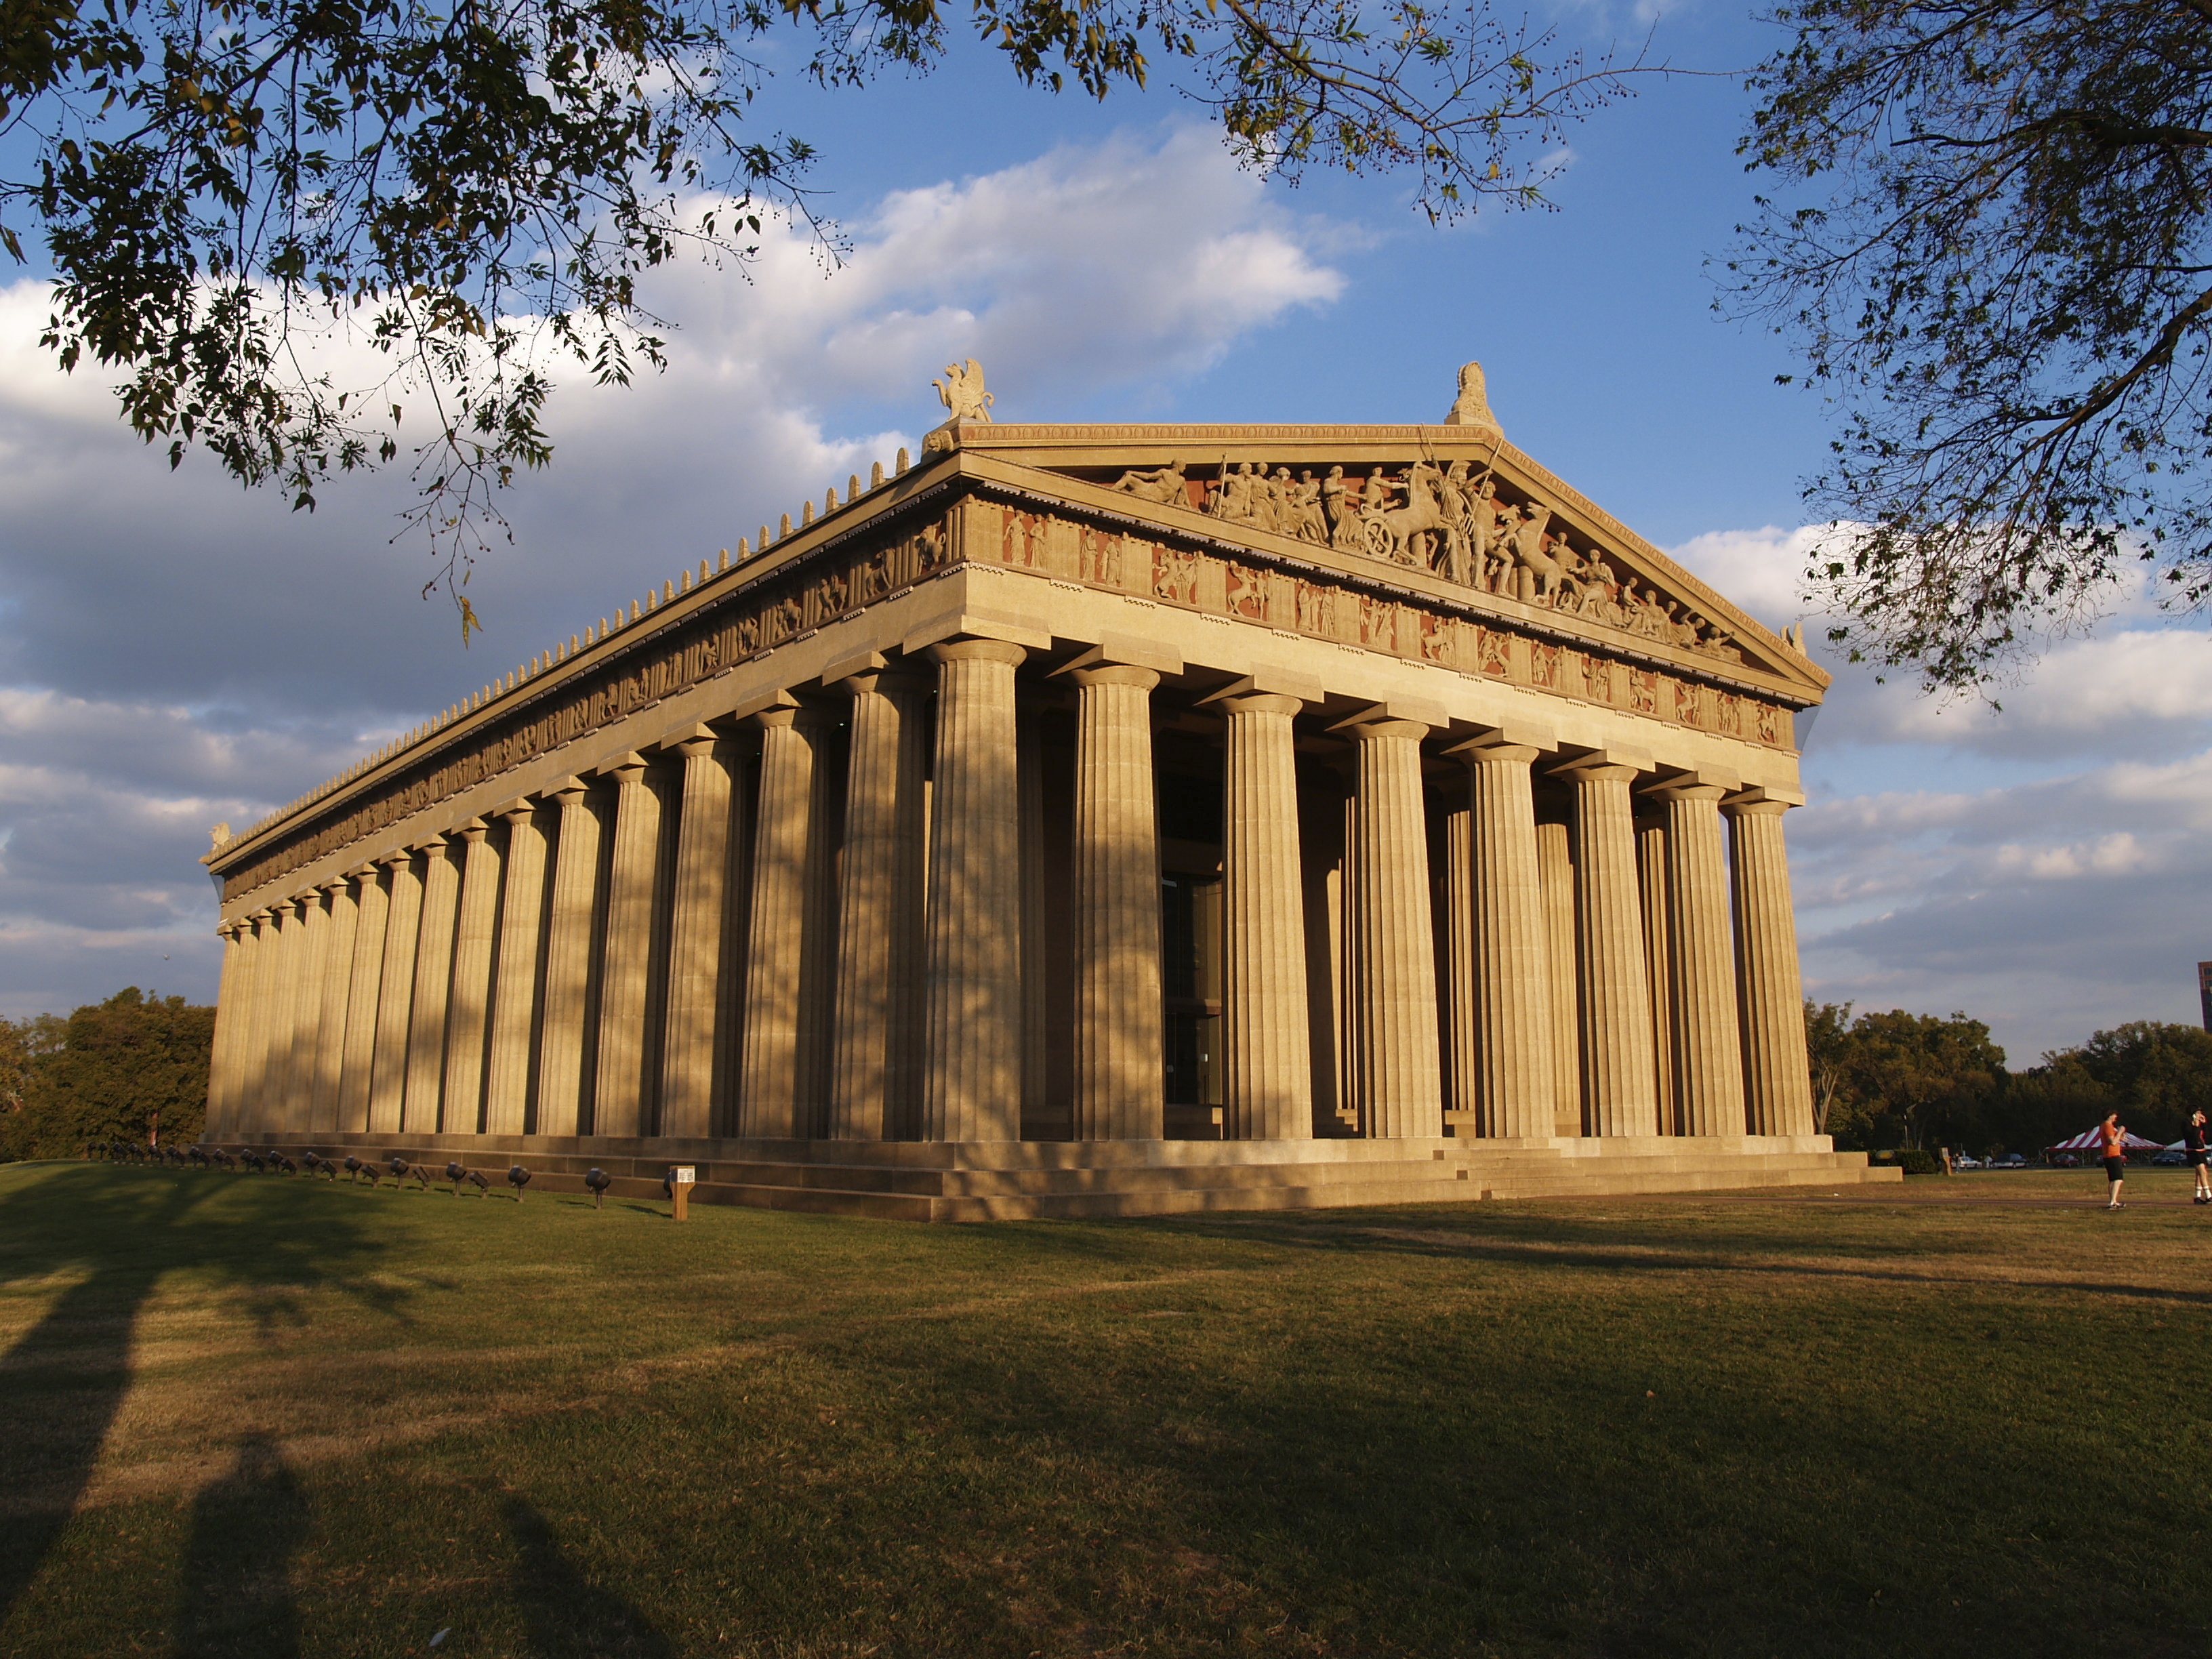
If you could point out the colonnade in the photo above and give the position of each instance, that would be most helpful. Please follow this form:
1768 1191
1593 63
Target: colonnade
688 943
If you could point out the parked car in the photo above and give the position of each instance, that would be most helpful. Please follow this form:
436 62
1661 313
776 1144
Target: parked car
2169 1157
2064 1161
1967 1161
2009 1161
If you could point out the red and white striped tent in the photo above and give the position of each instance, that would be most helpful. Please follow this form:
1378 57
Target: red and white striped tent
2089 1139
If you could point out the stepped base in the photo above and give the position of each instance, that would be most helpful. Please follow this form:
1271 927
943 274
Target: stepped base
1021 1180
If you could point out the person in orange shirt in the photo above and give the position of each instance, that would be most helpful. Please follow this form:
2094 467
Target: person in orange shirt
2114 1136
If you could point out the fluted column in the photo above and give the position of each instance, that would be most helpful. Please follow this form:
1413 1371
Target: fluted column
372 922
1659 966
252 1028
1120 1086
788 952
1708 1052
1778 1083
879 913
470 1005
696 949
1396 1069
229 1027
626 972
434 979
1513 1088
1267 1085
568 964
396 999
272 1106
515 981
972 1046
341 929
310 960
1555 873
1619 1063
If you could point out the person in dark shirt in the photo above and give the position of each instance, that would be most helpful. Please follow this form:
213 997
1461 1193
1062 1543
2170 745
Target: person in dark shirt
2193 1143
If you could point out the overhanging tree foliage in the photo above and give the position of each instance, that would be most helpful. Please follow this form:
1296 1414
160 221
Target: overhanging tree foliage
474 189
1994 257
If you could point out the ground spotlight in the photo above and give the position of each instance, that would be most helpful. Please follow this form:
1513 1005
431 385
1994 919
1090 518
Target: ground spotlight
598 1181
517 1177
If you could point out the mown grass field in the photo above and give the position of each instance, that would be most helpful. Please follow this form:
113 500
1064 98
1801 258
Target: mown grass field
265 1417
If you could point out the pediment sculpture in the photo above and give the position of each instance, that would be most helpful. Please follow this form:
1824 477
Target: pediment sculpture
1440 518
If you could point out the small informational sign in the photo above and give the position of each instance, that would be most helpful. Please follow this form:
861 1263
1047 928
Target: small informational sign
679 1191
685 1172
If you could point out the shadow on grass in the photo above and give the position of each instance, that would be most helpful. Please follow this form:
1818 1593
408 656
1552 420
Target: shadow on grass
237 1594
121 1232
565 1612
1579 1246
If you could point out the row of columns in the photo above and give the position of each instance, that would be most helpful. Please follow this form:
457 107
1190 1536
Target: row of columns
1596 979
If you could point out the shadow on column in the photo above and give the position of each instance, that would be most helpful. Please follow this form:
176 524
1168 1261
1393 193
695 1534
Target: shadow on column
566 1613
237 1592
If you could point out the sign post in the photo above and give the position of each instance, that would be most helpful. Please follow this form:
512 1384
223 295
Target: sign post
679 1192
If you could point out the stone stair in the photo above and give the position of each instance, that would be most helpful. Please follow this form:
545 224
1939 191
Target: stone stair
992 1181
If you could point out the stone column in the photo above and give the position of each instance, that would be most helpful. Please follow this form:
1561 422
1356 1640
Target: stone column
434 979
1777 1081
371 926
780 1073
1708 1054
1555 871
626 972
246 1072
310 960
1658 966
569 963
1036 947
395 1001
273 1105
514 983
229 1027
471 1000
972 1044
695 947
1119 1085
337 988
879 912
1267 1083
1511 1053
1396 1069
1620 1062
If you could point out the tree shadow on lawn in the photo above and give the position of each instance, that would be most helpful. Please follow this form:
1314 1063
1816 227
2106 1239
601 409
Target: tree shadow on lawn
1425 1486
124 1231
1578 1245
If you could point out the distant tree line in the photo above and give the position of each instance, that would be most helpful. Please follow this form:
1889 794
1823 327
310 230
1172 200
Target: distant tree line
134 1067
1895 1079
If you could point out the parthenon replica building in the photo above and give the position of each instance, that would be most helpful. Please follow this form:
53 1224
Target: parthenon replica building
1086 820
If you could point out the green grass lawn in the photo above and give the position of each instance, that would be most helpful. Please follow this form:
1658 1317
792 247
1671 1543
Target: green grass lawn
263 1416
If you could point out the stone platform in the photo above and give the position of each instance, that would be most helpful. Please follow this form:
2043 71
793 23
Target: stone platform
1022 1180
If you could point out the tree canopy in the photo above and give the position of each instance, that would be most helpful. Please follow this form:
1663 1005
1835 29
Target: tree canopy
474 190
134 1068
1989 241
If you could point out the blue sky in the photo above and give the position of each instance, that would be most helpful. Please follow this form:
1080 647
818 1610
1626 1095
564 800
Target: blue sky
173 652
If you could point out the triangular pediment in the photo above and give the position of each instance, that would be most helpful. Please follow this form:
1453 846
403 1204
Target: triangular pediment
1454 505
